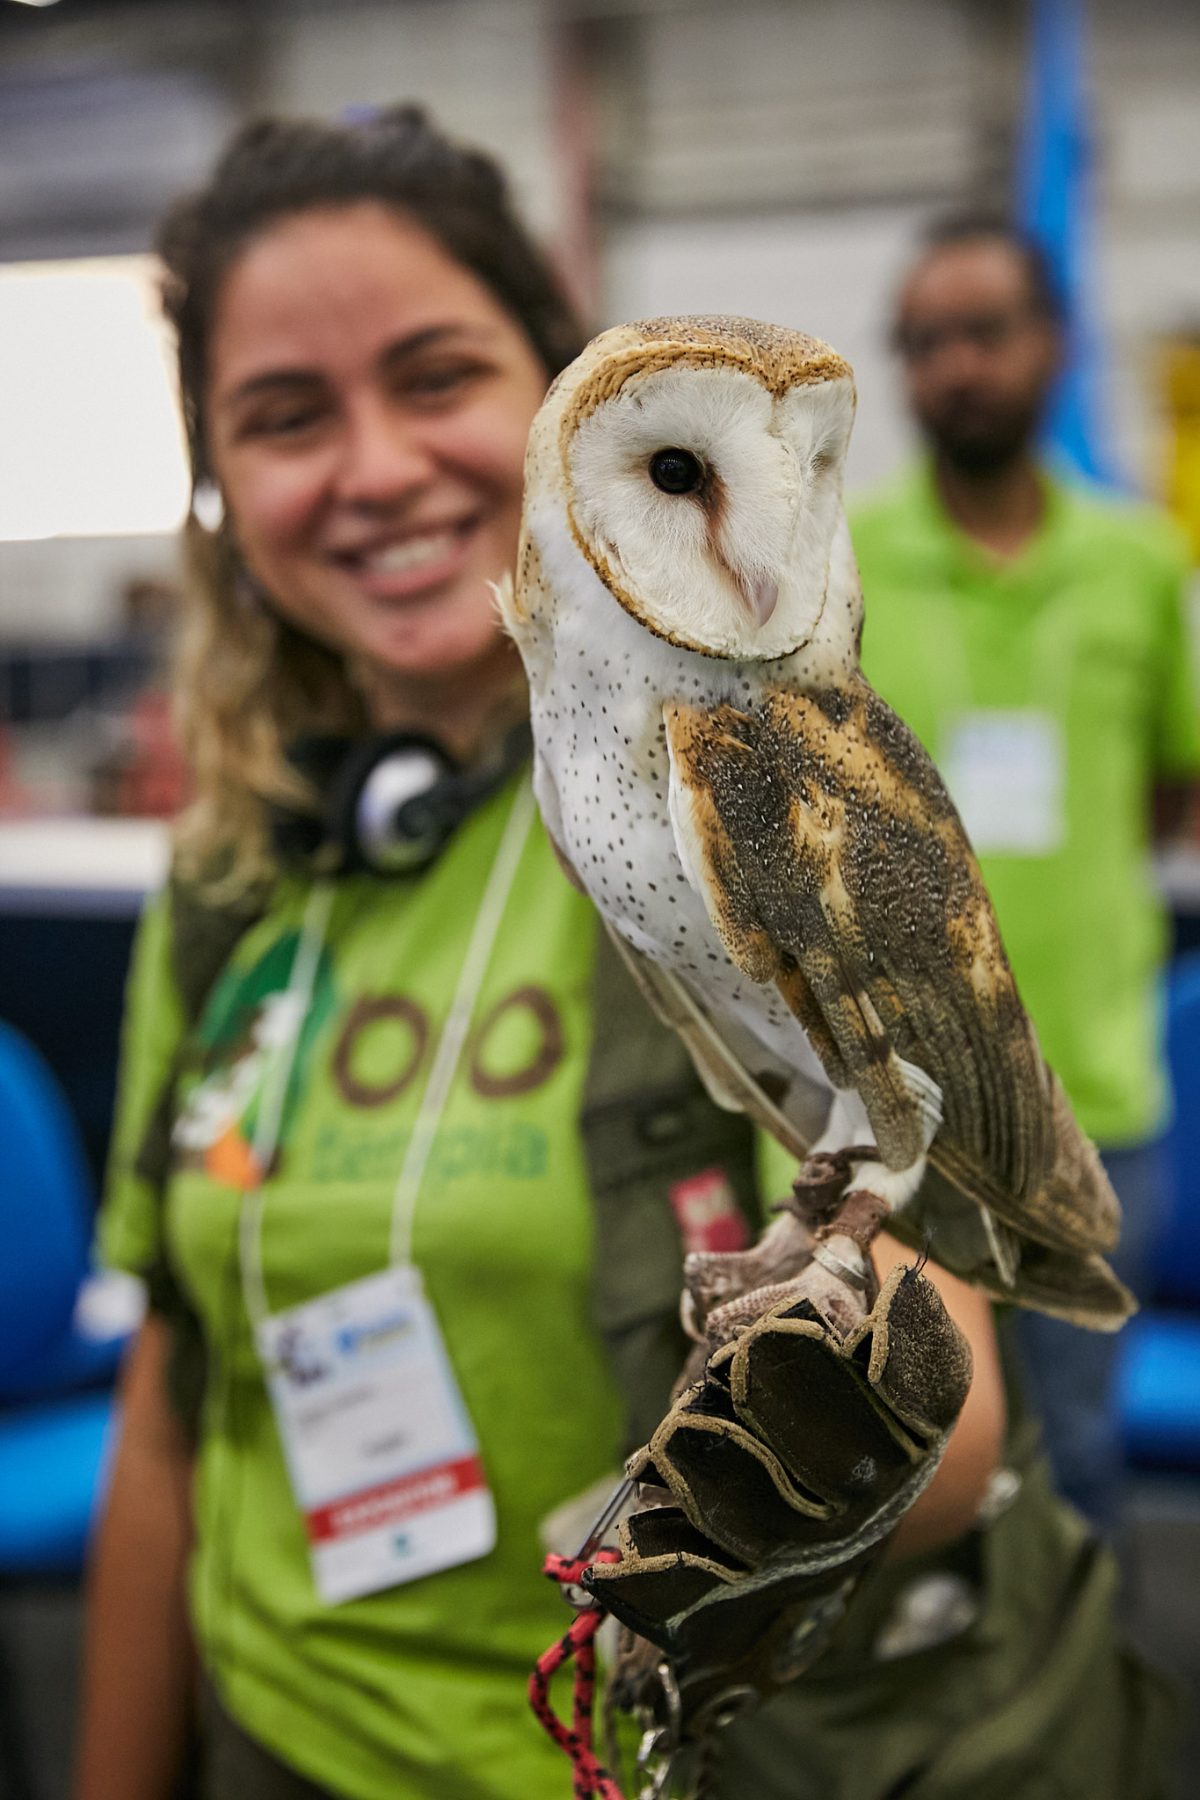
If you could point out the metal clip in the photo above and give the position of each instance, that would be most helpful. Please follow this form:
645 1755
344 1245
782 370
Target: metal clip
855 1275
660 1739
613 1508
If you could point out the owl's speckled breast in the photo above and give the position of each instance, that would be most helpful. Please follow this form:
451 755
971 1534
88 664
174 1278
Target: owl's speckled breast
601 738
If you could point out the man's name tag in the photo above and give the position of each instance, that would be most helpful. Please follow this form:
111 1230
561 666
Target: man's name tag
383 1459
1006 772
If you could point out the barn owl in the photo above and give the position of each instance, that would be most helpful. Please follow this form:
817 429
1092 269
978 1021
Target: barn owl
769 844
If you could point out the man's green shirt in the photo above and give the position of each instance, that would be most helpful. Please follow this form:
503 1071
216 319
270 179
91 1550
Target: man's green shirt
1086 627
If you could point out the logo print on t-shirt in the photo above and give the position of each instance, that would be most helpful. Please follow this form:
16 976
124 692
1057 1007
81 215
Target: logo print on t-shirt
382 1047
386 1039
248 1021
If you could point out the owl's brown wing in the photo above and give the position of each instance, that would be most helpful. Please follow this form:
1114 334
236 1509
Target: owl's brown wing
833 863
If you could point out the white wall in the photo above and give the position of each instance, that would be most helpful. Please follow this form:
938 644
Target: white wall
482 67
767 103
830 273
768 156
69 589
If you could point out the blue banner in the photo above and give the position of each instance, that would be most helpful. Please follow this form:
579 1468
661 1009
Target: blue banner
1055 205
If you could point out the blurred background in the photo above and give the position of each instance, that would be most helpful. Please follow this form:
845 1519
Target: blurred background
776 158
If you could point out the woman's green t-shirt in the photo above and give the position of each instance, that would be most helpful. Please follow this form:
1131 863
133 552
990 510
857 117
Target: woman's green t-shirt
420 1689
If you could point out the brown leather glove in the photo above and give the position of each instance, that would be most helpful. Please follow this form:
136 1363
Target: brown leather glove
779 1474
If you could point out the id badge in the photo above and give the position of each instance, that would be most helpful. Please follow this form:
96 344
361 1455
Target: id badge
383 1459
1006 772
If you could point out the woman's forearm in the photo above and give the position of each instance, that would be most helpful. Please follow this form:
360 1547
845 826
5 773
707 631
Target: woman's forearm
139 1662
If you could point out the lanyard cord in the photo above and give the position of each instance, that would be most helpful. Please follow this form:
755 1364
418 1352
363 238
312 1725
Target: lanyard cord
458 1023
441 1076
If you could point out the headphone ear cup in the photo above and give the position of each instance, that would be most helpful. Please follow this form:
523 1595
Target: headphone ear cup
387 804
396 812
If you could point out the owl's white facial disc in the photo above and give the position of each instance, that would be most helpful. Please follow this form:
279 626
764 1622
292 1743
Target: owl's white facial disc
736 563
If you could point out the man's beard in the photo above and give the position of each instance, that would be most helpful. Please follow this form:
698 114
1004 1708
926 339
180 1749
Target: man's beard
979 440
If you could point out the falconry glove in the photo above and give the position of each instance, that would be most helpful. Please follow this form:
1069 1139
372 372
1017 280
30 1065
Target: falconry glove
774 1480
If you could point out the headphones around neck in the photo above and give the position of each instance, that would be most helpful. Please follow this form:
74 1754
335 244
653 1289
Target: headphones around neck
388 804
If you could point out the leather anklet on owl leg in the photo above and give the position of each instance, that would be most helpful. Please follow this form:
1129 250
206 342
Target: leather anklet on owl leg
842 1226
871 1193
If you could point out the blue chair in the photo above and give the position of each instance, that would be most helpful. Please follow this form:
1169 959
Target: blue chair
46 1202
52 1467
1158 1388
55 1375
1159 1370
1177 1250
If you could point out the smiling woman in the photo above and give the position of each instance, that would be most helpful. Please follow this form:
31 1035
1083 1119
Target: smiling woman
369 403
364 334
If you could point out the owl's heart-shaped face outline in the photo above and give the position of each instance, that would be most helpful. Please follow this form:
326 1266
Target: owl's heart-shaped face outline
700 462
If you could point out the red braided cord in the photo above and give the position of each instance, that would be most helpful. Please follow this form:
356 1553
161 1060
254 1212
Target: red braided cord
590 1780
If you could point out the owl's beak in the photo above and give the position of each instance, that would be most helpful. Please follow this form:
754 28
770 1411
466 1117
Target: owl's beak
760 594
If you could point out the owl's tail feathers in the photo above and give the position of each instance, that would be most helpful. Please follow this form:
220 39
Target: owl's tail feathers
1008 1257
1076 1209
1080 1289
1078 1193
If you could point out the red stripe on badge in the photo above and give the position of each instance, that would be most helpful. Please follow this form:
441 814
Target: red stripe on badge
707 1212
393 1501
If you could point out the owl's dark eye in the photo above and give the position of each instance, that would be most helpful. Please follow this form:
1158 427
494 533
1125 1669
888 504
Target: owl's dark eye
676 471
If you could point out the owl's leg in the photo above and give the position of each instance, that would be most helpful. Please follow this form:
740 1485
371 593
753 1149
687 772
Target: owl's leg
871 1190
894 1187
848 1124
840 1255
819 1243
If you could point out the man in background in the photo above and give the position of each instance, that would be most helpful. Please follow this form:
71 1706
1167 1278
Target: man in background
1033 636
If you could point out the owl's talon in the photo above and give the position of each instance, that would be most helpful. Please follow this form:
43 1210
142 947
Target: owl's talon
713 1278
843 1244
820 1222
689 1316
